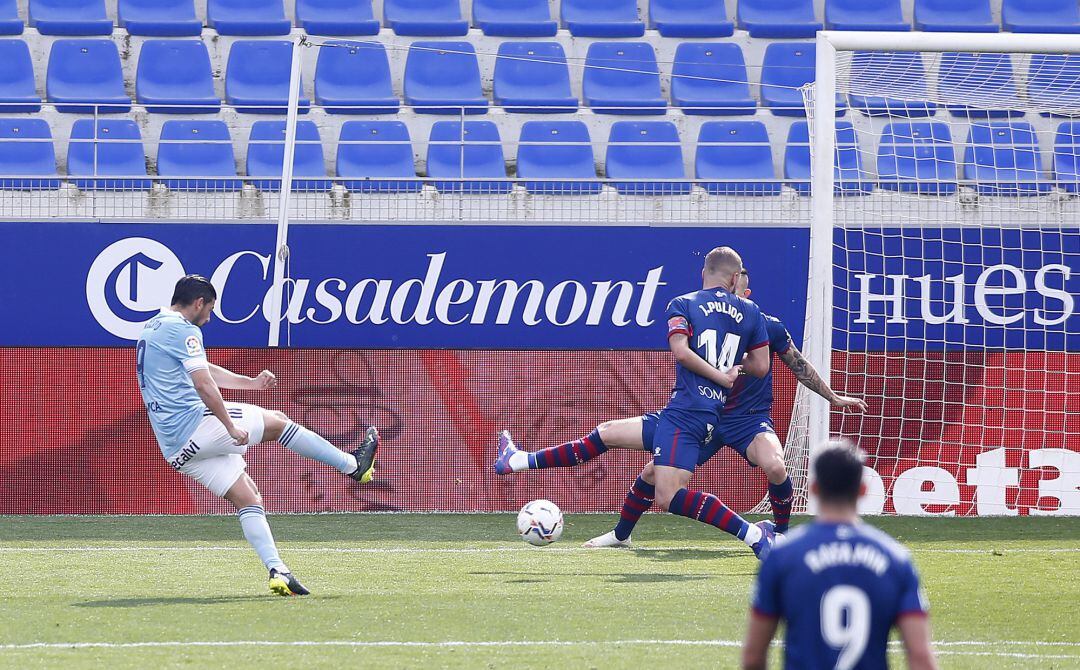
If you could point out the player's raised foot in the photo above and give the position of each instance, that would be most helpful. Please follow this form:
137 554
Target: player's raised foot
607 540
365 456
284 584
507 448
763 546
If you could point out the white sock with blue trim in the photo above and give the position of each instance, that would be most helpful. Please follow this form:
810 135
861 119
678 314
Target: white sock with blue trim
311 445
257 532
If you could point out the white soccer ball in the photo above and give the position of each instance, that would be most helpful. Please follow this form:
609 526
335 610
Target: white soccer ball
540 522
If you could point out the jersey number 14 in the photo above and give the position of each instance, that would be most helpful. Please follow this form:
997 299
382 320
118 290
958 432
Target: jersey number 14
728 350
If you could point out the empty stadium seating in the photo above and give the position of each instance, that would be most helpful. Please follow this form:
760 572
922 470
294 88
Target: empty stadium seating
643 151
202 149
337 18
247 17
739 153
900 72
354 78
710 78
463 154
266 156
158 18
69 17
917 158
174 77
787 66
533 78
522 18
107 154
1054 82
850 173
977 85
557 150
1040 16
967 16
10 23
257 77
1002 158
864 15
376 157
601 18
1067 156
17 90
690 18
87 72
778 18
26 153
429 18
444 78
622 78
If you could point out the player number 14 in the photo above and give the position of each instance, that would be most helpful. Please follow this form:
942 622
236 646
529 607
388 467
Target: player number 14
730 347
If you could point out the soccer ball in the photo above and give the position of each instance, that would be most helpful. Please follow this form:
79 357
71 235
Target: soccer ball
540 522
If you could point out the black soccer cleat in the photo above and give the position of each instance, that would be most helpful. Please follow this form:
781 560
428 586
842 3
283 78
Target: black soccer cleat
365 456
284 584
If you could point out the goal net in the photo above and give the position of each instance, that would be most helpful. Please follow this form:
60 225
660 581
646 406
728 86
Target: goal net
945 267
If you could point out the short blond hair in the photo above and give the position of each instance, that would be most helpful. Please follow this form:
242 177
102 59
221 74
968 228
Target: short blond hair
723 261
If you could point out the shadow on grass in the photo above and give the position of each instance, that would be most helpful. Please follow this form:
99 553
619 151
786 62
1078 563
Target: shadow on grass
180 600
612 577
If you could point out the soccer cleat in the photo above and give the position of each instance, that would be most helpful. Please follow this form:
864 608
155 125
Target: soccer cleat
768 536
284 584
606 540
507 448
365 456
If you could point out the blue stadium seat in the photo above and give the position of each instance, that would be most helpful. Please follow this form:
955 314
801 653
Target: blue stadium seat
26 150
961 16
337 18
977 85
10 23
1054 83
247 17
736 150
864 15
848 170
1041 16
901 73
444 77
354 78
174 77
115 156
158 18
377 156
257 77
476 151
645 150
1002 158
778 18
86 72
514 18
917 158
710 78
786 67
266 156
69 17
17 91
601 18
1067 156
429 18
622 78
557 150
191 151
533 78
690 18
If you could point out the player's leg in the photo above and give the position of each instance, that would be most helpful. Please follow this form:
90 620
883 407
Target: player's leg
755 440
247 500
638 500
358 464
622 433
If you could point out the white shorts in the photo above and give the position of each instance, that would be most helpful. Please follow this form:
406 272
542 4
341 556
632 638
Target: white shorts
211 457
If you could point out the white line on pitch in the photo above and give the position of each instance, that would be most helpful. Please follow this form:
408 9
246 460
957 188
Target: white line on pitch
492 550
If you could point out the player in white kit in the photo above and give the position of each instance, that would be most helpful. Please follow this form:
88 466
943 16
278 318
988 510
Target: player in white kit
205 438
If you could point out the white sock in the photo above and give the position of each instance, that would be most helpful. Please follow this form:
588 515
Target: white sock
257 532
753 535
518 461
311 445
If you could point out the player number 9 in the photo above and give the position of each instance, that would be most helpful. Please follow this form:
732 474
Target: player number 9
845 623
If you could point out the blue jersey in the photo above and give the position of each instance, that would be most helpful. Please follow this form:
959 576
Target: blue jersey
721 328
170 348
753 395
840 588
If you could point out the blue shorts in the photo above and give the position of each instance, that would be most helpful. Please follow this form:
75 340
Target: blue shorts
678 435
736 432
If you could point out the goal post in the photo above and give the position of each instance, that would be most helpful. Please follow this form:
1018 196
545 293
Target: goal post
944 269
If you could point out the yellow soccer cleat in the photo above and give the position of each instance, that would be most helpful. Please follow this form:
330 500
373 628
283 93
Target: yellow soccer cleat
284 584
365 456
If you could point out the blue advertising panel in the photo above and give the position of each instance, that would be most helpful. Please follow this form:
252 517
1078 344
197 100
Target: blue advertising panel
384 286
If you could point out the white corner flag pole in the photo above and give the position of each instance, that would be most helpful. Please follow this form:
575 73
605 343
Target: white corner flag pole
281 246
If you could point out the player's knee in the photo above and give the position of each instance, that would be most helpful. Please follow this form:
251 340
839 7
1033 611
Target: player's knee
775 469
274 423
605 430
648 473
664 494
281 415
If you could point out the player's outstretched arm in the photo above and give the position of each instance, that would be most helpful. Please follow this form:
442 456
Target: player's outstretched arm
680 347
808 376
759 634
210 394
230 380
915 632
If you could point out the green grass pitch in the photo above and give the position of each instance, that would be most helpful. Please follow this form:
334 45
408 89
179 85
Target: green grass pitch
462 591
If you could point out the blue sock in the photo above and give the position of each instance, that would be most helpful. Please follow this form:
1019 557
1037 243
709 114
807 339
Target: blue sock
257 532
780 497
311 445
638 501
708 509
568 454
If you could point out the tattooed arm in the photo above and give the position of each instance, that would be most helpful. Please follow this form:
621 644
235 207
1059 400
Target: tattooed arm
809 377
